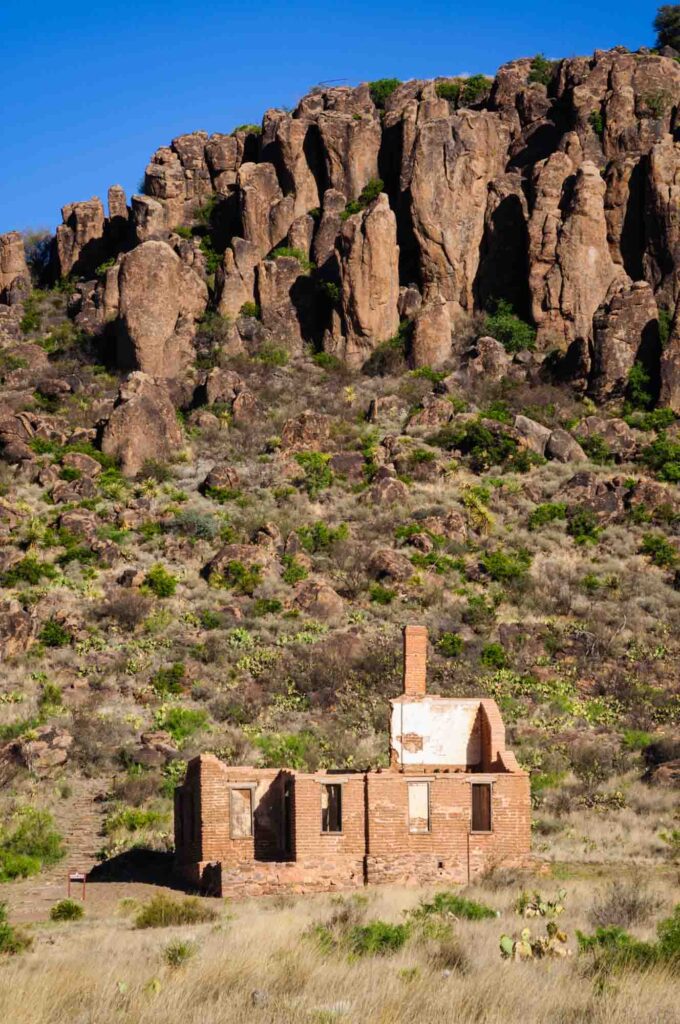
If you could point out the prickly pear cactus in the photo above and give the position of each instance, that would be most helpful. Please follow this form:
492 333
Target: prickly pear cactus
526 947
536 905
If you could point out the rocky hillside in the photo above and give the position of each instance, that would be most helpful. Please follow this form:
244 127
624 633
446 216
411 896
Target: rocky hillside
410 352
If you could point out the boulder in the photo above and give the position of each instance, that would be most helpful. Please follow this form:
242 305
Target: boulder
317 599
535 435
670 367
80 238
308 430
235 280
622 441
47 749
386 563
563 447
386 489
16 629
490 361
220 477
143 424
160 300
148 219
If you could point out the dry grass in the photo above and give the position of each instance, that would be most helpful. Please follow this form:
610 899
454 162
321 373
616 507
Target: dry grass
256 964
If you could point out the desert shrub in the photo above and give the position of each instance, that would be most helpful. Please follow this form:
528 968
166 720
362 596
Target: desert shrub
377 938
290 252
169 680
28 570
127 607
12 940
293 571
297 750
250 309
493 656
541 69
67 910
583 524
638 387
613 948
249 129
505 326
504 567
380 594
320 537
663 456
180 722
326 360
451 904
131 819
484 447
54 634
450 645
592 762
475 88
192 523
596 122
368 194
31 844
659 550
179 952
622 903
318 475
239 577
382 89
272 355
32 317
154 469
267 606
160 582
548 512
450 90
163 911
209 619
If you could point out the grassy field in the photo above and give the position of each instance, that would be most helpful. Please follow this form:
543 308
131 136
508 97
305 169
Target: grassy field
263 961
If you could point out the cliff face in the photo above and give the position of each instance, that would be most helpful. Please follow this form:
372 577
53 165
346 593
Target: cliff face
558 196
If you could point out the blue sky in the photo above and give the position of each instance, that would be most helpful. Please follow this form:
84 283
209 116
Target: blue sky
91 89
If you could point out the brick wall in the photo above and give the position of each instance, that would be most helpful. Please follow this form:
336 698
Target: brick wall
415 661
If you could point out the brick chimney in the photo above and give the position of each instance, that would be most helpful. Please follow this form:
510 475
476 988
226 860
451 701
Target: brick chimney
415 661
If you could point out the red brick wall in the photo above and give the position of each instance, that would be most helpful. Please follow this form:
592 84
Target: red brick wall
415 660
310 841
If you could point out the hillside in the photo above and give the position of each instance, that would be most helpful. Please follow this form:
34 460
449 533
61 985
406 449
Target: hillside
408 353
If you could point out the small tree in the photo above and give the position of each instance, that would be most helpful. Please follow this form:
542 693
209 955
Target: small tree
667 26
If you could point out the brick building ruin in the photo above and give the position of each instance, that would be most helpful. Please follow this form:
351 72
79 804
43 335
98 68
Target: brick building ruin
452 802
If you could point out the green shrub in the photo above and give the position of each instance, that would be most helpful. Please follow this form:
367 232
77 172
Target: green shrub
450 904
31 844
549 512
665 324
28 570
450 90
160 582
612 948
250 309
180 722
660 550
169 680
450 644
596 122
663 456
638 387
505 326
67 910
287 750
267 606
493 656
291 252
103 267
192 523
541 69
380 594
249 129
209 619
327 361
54 634
183 232
506 567
318 474
155 469
132 819
179 952
369 193
272 355
12 941
32 316
382 89
293 571
320 537
657 419
377 938
484 447
667 26
239 577
583 524
163 912
475 88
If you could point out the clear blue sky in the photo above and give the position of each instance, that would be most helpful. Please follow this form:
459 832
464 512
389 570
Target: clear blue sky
91 89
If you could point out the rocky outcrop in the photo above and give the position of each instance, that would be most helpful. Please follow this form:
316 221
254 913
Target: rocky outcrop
670 367
431 338
625 331
80 238
143 424
159 301
15 280
369 274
